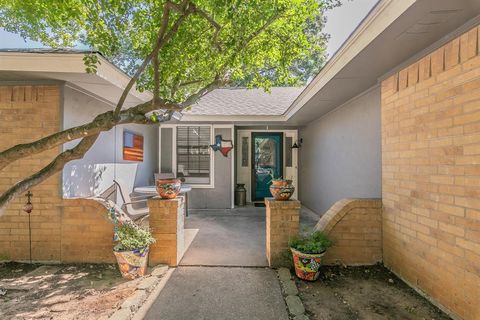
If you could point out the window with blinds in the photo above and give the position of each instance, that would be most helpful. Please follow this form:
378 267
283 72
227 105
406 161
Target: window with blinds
193 154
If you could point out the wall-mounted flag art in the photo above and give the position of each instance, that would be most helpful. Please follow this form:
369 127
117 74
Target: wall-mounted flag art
132 146
224 146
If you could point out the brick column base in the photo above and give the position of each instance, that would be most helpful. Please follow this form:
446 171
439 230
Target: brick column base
282 225
167 225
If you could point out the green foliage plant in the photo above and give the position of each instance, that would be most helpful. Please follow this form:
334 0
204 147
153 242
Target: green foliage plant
314 243
253 43
131 237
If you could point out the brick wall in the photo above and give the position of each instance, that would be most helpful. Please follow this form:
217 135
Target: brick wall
282 223
28 113
431 174
355 226
62 230
87 234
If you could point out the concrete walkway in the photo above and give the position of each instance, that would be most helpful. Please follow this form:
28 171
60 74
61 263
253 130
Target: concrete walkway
211 293
223 275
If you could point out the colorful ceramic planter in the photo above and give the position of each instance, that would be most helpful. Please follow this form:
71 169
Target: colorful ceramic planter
282 193
307 265
132 264
168 188
281 182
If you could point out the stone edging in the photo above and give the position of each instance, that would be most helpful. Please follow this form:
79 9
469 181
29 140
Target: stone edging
146 288
295 306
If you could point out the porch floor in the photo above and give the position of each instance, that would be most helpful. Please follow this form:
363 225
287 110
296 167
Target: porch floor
231 237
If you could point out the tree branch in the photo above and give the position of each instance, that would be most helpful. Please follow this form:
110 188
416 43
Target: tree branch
162 39
189 83
156 80
53 167
216 83
257 32
212 21
89 132
102 122
108 120
185 8
244 44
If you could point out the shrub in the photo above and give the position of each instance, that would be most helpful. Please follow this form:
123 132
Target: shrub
316 242
131 237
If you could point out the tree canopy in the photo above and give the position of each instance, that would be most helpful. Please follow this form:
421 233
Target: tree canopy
211 40
179 50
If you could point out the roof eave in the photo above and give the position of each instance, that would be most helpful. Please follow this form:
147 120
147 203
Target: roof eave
233 118
62 63
379 18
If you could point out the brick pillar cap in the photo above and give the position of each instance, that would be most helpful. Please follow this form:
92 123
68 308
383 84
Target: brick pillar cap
164 202
292 203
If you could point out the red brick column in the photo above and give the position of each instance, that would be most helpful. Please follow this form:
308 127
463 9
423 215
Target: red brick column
167 225
282 225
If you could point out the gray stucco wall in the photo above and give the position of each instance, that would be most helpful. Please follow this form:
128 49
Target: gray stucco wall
219 197
87 176
341 154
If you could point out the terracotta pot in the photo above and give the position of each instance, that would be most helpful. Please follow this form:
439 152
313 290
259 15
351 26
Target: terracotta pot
282 193
168 188
307 265
281 182
132 263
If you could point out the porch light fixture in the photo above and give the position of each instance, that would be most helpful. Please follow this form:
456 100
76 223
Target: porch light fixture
298 144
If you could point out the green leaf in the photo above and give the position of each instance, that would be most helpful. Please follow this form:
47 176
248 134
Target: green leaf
317 242
131 236
288 51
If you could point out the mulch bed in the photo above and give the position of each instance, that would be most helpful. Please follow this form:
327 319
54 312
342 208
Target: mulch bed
373 292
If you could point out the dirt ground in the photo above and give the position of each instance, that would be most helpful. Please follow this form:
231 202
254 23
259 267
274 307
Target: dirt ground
61 291
364 293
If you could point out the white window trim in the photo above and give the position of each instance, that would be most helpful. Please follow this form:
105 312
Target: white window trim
211 185
232 152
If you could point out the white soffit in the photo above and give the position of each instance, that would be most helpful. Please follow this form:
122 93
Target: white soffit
108 83
393 32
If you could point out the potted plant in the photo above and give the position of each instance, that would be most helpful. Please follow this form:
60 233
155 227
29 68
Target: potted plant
281 189
280 182
131 249
168 188
307 252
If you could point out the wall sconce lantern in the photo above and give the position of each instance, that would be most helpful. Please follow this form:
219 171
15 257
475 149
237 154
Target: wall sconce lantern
297 144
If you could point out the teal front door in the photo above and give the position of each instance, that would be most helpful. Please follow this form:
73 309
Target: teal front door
267 158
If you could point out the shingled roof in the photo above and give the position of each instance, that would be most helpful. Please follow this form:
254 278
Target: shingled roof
245 102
